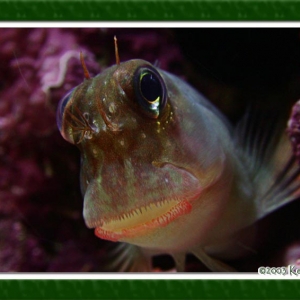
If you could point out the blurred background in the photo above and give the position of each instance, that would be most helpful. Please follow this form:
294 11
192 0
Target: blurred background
41 223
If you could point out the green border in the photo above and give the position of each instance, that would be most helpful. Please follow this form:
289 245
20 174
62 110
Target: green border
149 10
149 289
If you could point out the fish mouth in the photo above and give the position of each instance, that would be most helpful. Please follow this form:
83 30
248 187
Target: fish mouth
138 221
142 219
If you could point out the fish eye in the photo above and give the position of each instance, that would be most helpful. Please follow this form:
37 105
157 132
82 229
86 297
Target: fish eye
61 108
150 91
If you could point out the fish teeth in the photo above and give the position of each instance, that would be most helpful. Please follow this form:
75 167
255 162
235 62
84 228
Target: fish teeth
148 213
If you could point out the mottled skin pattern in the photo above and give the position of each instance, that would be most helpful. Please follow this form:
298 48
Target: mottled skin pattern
183 161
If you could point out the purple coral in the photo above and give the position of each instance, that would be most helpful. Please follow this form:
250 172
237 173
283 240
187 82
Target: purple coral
293 129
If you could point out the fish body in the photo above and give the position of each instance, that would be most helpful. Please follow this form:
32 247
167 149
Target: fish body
162 169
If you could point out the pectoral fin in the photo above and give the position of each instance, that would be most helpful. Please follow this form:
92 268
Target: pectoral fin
179 261
212 263
128 258
267 154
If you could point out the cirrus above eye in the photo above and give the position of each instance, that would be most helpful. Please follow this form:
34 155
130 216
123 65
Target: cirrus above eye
61 108
150 91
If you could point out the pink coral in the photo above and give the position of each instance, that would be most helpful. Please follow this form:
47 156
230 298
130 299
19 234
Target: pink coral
293 129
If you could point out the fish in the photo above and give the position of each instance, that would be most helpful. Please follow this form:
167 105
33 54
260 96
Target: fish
164 171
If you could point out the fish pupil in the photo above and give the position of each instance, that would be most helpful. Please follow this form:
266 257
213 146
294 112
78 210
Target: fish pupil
150 91
150 87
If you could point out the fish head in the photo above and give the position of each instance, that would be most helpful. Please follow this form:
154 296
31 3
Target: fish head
153 164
